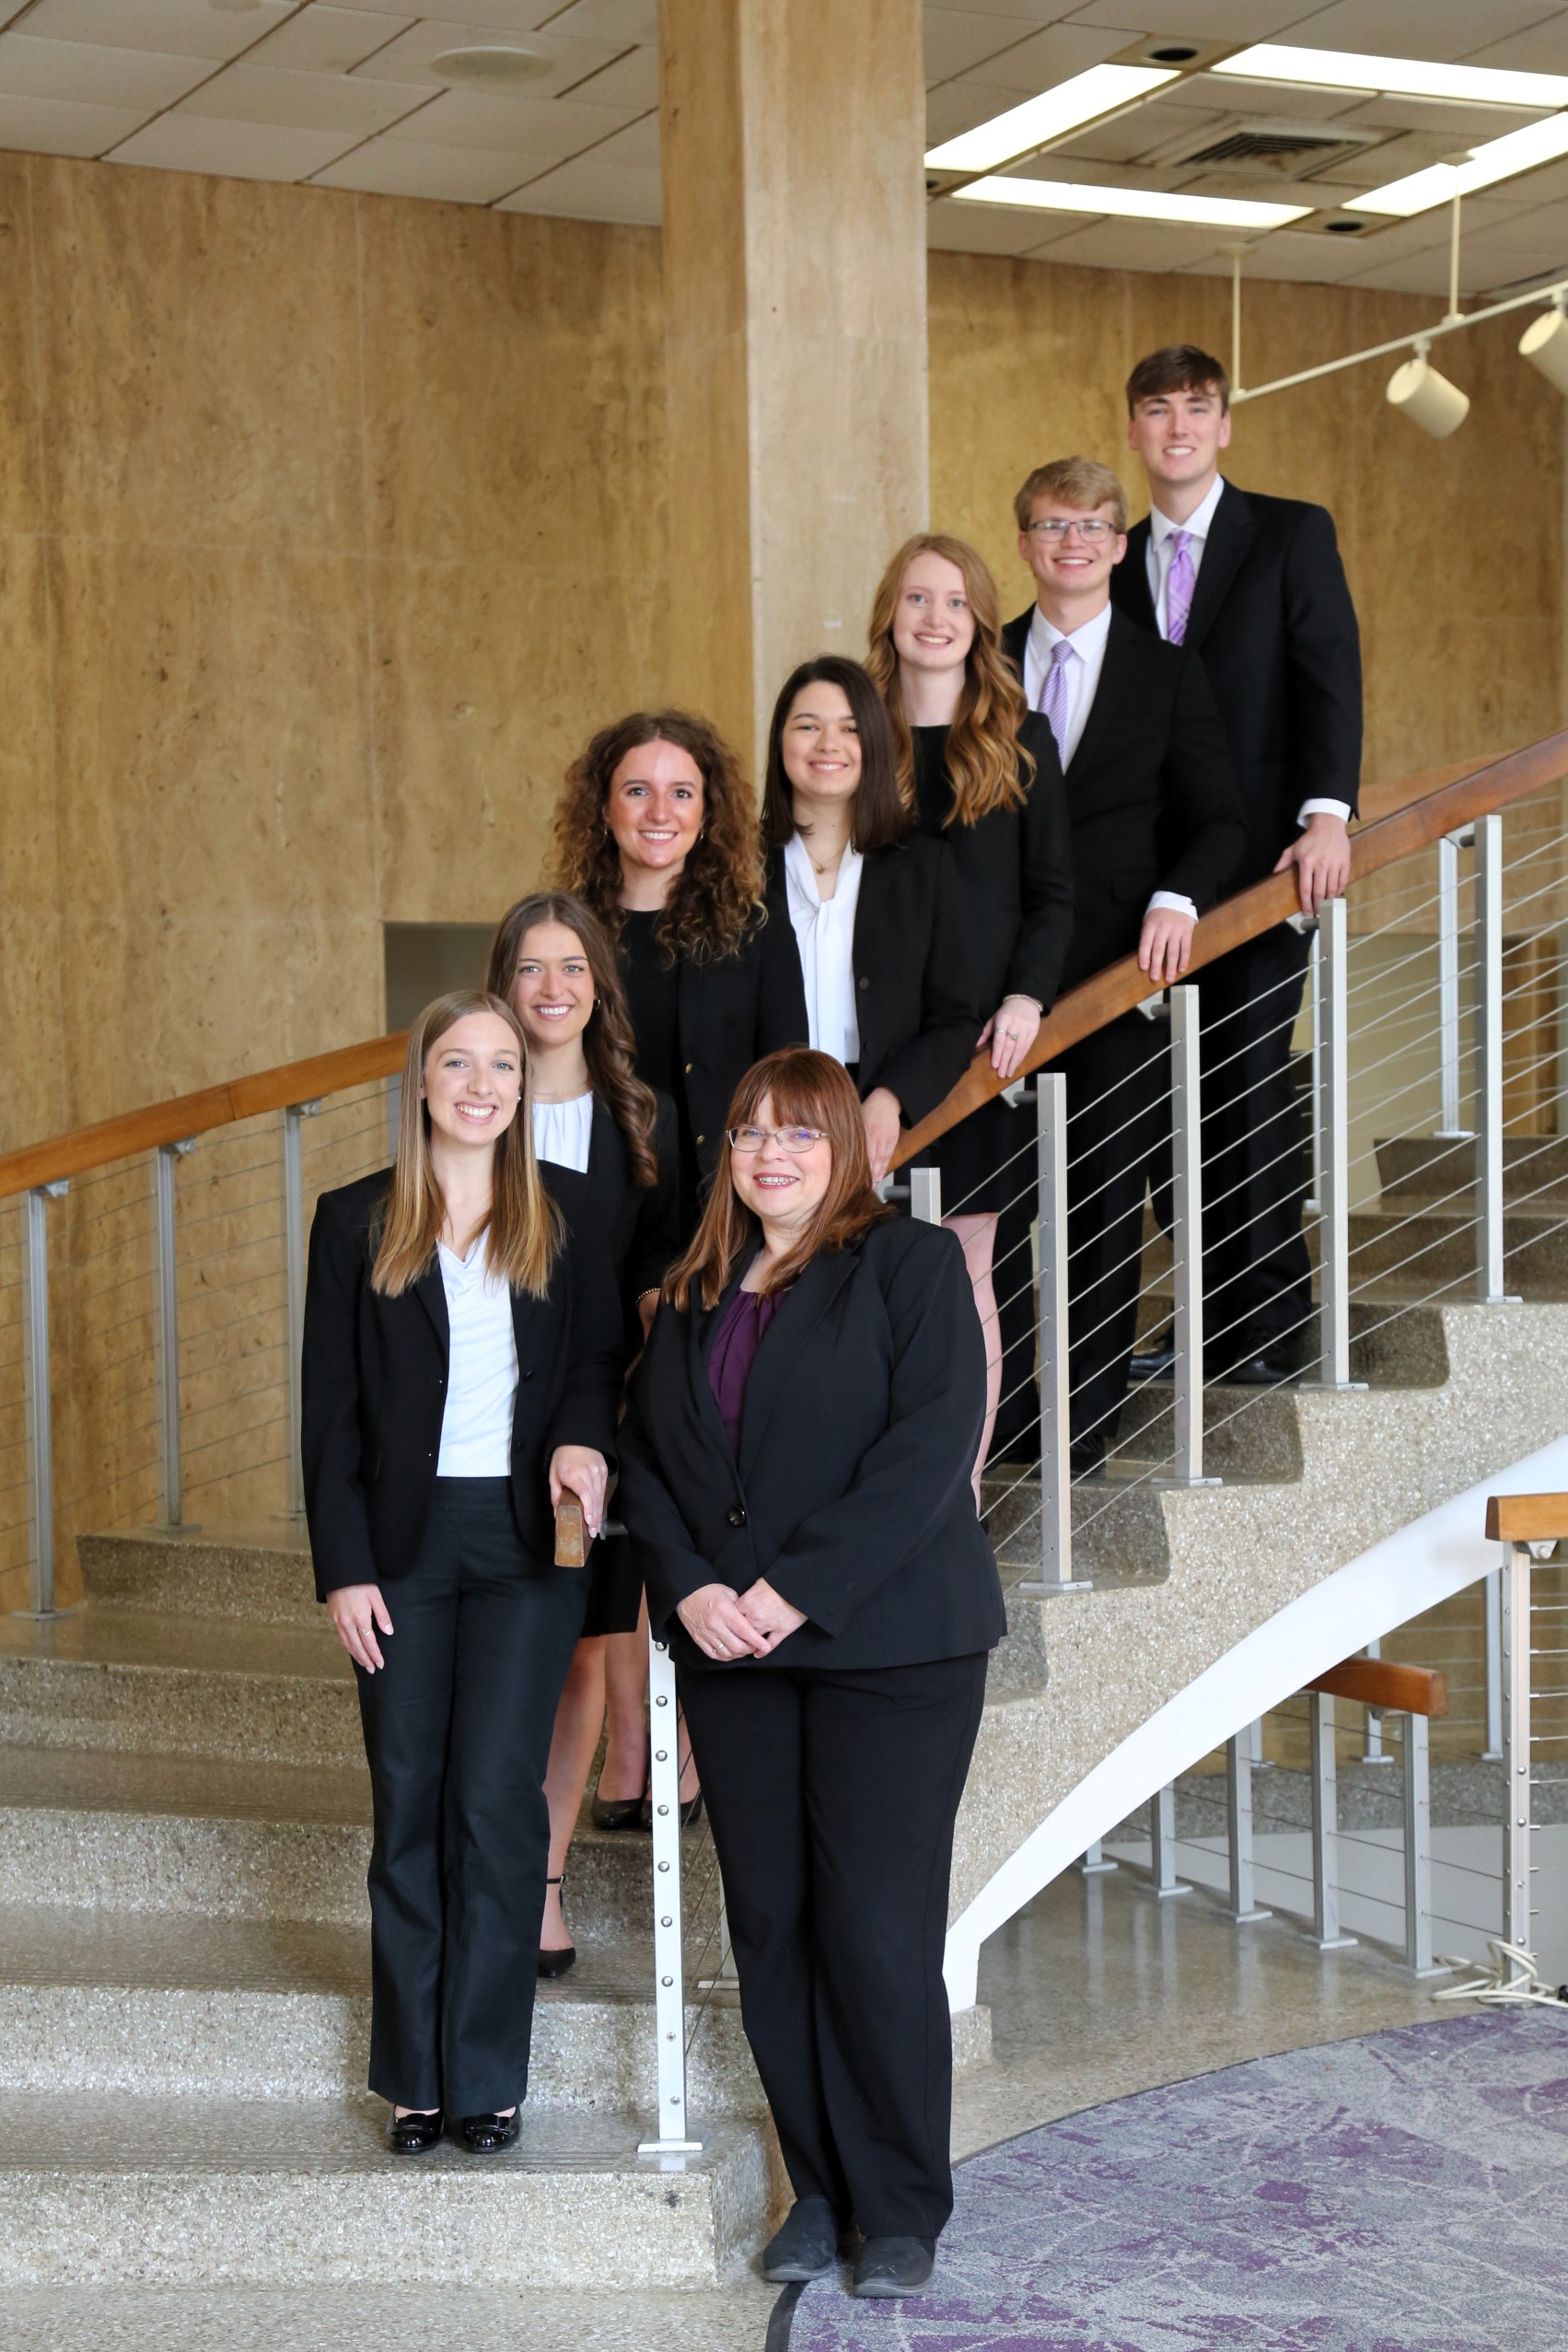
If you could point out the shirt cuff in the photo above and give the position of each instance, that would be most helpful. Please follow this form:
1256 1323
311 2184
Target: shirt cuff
1340 808
1171 902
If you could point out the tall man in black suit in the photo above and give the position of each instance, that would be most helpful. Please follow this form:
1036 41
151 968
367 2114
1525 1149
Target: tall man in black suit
1256 587
1157 830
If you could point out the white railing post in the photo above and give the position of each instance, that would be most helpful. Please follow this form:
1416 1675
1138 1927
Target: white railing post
1489 1062
166 1161
1242 1905
294 1260
1448 981
1186 1240
925 1194
1491 1620
1326 1930
1333 1121
1372 1749
1516 1807
1313 1206
39 1403
1093 1864
669 1963
1162 1880
1055 1465
1418 1848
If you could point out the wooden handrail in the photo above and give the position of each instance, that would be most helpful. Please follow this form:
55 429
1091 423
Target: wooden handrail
1526 1519
1461 794
1383 1683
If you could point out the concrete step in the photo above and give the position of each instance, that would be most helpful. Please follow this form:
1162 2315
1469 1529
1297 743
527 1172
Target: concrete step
1413 1169
285 2192
260 1572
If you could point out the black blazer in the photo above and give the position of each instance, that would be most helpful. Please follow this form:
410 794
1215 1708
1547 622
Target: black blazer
852 1495
638 1224
730 1011
1015 870
375 1383
915 997
1150 793
1273 622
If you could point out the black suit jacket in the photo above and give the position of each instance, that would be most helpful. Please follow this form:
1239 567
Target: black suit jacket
731 1010
639 1225
1015 871
852 1494
374 1387
1151 798
915 997
1273 622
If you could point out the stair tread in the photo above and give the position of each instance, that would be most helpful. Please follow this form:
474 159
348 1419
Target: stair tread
199 1788
287 1538
146 1639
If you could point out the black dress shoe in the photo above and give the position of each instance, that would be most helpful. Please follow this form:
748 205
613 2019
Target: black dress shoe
414 2134
894 2266
484 2133
1270 1368
1085 1458
806 2244
1151 1363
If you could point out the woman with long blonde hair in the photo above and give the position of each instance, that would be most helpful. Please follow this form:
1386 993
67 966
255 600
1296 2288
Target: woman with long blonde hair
969 765
461 1373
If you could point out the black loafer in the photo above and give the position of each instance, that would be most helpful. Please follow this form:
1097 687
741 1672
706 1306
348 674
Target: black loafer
482 2134
894 2266
414 2135
805 2245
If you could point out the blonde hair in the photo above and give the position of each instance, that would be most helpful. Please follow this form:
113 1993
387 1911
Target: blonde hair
1081 484
987 766
523 1231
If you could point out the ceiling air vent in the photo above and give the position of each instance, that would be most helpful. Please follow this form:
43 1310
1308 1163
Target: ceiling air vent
1289 150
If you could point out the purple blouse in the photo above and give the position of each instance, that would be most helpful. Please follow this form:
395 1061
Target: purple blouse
733 1352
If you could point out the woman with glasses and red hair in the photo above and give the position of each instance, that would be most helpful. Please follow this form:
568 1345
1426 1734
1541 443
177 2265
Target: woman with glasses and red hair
794 1477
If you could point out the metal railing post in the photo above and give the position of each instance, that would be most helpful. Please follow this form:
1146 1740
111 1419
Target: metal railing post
293 1259
1333 1120
39 1404
1055 1464
1326 1931
1093 1864
166 1160
670 1964
1186 1240
1242 1905
1418 1848
1491 1621
1449 980
1515 1647
1371 1748
925 1194
1489 1061
1313 1205
1162 1880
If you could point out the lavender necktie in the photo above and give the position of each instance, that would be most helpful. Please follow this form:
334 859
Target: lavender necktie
1178 587
1053 700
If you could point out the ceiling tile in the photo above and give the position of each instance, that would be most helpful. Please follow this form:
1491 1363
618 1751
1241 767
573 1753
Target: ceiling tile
957 40
50 126
495 16
617 20
588 189
398 167
407 59
183 28
632 80
1439 28
134 79
959 105
1040 63
541 130
637 146
343 102
1135 135
1270 99
1027 12
1287 257
1135 245
327 40
1451 126
1203 19
183 141
972 229
1542 49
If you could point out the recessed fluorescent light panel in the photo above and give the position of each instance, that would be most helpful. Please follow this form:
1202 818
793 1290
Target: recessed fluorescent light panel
1129 204
1022 129
1343 69
1498 159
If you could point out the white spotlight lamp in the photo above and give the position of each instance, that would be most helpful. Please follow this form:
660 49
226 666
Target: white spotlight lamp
1417 391
1545 344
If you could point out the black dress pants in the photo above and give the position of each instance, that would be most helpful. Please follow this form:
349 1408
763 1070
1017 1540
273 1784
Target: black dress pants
456 1730
1115 1080
833 1796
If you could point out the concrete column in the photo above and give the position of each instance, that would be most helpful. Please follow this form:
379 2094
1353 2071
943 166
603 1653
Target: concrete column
792 138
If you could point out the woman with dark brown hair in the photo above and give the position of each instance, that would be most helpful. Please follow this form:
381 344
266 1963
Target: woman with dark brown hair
796 1469
967 747
656 832
553 964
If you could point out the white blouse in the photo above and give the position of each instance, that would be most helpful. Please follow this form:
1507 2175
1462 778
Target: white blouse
824 929
481 1371
563 1132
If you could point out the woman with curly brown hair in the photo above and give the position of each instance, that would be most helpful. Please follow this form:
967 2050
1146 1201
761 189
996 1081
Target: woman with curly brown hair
968 759
656 831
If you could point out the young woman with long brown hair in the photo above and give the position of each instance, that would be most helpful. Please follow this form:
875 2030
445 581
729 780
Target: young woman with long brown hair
552 961
461 1373
968 759
796 1468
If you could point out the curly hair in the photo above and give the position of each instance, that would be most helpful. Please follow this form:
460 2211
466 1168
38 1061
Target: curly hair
716 898
609 1047
987 766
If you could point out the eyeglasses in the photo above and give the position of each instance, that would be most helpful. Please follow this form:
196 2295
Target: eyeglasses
1091 529
798 1140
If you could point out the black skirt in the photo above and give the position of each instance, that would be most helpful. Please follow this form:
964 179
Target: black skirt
615 1589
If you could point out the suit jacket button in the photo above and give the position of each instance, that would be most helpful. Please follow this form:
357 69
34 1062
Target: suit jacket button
735 1516
865 983
702 1139
688 1069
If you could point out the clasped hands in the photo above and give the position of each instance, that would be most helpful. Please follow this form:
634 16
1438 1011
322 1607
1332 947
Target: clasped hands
725 1625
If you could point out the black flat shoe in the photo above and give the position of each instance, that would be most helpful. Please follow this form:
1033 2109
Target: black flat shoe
894 2266
482 2134
565 1956
805 2245
414 2135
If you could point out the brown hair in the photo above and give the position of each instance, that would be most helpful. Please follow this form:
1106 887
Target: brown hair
523 1231
1081 484
881 813
1178 367
809 1090
987 766
717 896
609 1047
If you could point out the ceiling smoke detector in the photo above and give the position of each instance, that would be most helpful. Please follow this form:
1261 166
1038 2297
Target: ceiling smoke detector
493 63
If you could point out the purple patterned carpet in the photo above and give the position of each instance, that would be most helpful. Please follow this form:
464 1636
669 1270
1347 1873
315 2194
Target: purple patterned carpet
1404 2193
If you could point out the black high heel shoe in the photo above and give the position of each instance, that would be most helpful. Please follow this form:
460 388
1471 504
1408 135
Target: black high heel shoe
556 1963
620 1813
414 2134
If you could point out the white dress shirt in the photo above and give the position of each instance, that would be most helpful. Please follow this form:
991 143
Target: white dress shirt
563 1131
482 1368
1159 557
824 930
